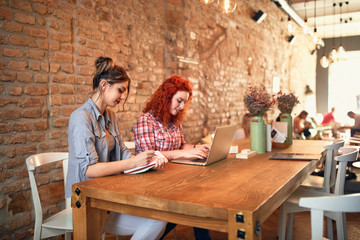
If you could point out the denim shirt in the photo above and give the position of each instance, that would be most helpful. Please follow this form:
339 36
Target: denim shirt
87 142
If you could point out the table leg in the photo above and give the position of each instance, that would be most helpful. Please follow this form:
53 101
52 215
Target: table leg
243 226
88 222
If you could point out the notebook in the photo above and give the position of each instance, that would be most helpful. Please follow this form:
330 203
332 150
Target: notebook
296 156
219 149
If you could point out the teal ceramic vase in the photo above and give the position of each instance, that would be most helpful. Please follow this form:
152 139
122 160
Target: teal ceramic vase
286 117
257 134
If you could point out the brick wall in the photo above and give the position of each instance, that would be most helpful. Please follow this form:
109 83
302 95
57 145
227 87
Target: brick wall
47 52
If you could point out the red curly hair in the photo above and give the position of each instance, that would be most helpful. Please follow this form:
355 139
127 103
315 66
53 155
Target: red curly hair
160 101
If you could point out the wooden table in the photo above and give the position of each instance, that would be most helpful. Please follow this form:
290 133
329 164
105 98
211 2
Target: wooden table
233 195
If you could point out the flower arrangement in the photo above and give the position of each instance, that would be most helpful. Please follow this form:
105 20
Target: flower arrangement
286 102
258 101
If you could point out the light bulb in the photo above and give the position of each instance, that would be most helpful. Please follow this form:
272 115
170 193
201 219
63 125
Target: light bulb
207 1
341 52
290 26
228 6
333 55
306 27
324 61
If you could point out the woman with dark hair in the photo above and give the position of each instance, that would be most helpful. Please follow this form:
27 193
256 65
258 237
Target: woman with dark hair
96 148
159 128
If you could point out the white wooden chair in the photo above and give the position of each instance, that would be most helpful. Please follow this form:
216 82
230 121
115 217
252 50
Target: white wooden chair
327 182
61 222
291 205
344 203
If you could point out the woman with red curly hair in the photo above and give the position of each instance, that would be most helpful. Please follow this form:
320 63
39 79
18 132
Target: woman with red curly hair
159 128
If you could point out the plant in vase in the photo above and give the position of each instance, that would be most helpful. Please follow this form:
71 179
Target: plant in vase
258 101
286 103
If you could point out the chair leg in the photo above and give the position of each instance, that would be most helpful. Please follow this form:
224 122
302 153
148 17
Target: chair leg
282 223
341 226
290 227
68 236
329 228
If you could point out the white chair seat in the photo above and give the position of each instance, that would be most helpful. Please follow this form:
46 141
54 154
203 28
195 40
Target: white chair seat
313 182
60 220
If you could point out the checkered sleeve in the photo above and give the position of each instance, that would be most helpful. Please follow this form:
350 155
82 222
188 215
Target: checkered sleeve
144 134
182 137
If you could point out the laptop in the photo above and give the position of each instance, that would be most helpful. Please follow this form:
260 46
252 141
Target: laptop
219 149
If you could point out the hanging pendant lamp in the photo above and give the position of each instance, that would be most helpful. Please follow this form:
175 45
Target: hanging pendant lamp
324 61
341 49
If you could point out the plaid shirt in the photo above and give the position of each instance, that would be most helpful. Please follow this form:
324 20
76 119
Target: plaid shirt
150 134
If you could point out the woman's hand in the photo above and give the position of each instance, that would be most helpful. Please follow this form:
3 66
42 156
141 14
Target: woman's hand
190 153
143 158
160 161
205 147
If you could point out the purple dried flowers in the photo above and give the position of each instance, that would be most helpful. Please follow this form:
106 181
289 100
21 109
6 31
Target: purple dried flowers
258 101
286 102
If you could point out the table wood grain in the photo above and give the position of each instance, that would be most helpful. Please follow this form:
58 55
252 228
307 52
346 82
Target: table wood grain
203 196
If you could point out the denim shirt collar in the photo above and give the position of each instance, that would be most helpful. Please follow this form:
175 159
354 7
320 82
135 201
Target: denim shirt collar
104 120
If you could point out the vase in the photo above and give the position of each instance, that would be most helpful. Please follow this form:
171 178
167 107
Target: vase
257 134
286 117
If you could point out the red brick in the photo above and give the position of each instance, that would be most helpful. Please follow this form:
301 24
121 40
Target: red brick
22 127
66 89
61 122
36 54
24 76
35 66
63 15
55 134
68 68
35 32
17 66
15 139
86 71
42 43
84 52
9 114
12 27
36 90
54 67
36 137
31 113
61 37
41 125
12 53
25 18
16 91
55 112
59 78
20 151
20 221
14 162
22 5
61 57
42 9
6 14
45 67
41 78
54 89
68 100
56 100
7 76
6 175
11 188
31 102
6 101
4 128
21 40
66 111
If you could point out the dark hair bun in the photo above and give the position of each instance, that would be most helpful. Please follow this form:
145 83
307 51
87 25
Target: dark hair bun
103 65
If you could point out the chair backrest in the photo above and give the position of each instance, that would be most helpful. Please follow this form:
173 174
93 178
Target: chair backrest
349 154
343 203
330 164
36 161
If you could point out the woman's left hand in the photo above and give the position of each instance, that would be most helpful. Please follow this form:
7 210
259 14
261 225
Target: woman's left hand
204 147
